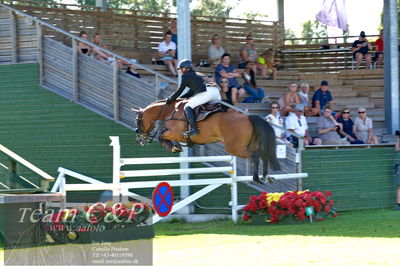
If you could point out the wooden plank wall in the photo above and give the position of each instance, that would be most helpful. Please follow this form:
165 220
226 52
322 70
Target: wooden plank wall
359 178
18 41
95 82
138 36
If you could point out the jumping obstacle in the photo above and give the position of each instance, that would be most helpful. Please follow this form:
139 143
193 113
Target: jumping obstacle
122 189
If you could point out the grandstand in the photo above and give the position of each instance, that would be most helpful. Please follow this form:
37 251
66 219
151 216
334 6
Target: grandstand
135 34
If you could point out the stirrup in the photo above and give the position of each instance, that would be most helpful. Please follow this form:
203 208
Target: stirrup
192 132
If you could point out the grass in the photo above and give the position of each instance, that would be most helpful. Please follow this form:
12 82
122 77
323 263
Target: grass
368 237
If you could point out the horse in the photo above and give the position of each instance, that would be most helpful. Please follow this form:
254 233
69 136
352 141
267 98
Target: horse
244 136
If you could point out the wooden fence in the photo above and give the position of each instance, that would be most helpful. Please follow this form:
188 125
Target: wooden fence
137 35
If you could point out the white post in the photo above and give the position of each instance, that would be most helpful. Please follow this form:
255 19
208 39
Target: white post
116 90
14 44
75 86
40 51
116 163
234 190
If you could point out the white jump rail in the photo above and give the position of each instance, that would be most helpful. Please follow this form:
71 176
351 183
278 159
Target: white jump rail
122 189
26 163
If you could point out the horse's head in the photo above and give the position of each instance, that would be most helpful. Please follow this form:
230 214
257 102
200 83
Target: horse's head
145 120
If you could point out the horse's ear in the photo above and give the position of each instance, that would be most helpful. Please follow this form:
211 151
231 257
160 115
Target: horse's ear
137 110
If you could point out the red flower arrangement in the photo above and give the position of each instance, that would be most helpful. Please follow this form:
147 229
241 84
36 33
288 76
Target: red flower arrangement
276 206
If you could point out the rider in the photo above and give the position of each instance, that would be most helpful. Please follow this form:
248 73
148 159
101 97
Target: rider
200 93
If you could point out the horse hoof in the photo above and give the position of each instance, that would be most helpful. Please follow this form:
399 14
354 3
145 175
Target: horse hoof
176 149
271 180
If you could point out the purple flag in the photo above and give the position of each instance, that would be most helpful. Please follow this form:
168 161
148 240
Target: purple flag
333 13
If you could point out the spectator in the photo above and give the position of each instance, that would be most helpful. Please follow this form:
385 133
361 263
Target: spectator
296 122
132 68
363 127
248 53
379 50
275 118
306 101
98 54
348 130
322 97
215 51
174 34
289 100
250 85
397 177
328 129
228 95
166 52
266 64
83 47
226 70
360 50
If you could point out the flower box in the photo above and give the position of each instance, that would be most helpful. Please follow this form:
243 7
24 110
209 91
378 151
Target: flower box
289 208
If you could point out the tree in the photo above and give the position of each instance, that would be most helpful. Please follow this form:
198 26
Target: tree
254 15
142 5
214 8
314 29
289 34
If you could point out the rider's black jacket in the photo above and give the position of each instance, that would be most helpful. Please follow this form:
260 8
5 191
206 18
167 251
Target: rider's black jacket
195 83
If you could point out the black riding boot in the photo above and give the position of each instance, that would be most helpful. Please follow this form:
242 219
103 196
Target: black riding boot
192 122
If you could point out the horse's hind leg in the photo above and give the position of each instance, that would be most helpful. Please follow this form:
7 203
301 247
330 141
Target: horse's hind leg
265 172
255 158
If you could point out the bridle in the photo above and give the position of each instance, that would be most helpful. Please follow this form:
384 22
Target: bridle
142 137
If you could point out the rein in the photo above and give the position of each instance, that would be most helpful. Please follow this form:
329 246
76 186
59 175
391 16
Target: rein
162 112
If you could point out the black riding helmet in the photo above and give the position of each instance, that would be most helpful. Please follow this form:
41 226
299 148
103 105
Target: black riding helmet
185 63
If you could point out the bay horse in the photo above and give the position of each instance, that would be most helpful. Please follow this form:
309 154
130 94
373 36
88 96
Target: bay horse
244 136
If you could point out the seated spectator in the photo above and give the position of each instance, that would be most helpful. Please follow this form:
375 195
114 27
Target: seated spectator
379 50
297 123
322 97
275 118
306 101
363 127
174 34
248 53
98 54
226 70
215 51
250 85
132 68
83 47
348 130
360 50
166 52
289 100
266 64
328 129
228 95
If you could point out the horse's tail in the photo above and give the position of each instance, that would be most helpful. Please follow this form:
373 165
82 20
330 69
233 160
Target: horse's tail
264 138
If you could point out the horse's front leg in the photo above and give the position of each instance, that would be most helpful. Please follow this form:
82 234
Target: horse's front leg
169 145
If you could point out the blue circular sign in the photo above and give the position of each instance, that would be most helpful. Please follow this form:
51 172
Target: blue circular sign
163 199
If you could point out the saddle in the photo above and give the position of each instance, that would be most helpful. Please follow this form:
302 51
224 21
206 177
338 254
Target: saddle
203 111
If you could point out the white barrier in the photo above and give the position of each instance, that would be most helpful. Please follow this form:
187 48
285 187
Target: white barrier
122 189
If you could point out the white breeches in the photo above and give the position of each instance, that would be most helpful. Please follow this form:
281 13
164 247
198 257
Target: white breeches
212 94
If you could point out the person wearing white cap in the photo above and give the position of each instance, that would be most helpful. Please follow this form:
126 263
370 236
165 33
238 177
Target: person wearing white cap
363 127
132 68
297 123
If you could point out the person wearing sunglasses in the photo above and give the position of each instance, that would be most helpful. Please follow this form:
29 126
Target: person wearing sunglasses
228 95
348 130
275 118
328 129
363 127
248 53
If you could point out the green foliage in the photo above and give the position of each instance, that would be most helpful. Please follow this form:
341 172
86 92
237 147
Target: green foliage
289 34
142 5
314 29
254 15
214 8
